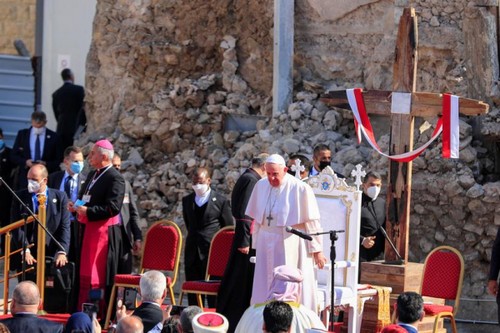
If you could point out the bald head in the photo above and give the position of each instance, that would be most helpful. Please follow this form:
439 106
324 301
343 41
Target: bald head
25 298
132 324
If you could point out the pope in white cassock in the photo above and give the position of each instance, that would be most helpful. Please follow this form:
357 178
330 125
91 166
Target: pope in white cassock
278 201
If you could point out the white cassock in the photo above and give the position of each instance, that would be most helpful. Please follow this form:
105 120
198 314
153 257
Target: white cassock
292 204
303 319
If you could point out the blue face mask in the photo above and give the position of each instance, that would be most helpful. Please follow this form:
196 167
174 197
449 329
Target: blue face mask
2 144
76 167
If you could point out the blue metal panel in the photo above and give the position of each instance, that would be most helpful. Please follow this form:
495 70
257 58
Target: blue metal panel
17 95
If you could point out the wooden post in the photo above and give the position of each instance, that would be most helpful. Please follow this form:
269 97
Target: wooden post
40 253
283 55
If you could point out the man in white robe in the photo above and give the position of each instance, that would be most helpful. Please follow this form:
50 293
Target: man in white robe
286 287
278 201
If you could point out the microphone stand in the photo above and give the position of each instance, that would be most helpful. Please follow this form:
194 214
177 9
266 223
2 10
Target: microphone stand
333 256
25 216
398 261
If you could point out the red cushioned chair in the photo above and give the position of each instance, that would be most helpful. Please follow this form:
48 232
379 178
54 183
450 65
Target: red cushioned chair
218 255
442 278
162 252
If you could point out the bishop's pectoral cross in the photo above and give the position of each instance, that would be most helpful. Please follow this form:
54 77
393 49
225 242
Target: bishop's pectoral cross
269 219
423 104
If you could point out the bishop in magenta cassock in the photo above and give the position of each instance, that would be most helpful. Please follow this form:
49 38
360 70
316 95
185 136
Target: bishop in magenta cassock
278 201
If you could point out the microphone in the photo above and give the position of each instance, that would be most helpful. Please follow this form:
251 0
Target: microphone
298 233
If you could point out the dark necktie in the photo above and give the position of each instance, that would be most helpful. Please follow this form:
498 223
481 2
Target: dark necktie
38 154
67 186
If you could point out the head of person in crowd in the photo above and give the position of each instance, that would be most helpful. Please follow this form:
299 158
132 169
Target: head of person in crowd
37 178
2 143
153 286
73 160
38 122
186 319
201 181
25 298
67 75
278 317
305 165
130 324
286 285
410 308
259 164
275 169
322 157
372 184
117 162
101 154
79 322
210 322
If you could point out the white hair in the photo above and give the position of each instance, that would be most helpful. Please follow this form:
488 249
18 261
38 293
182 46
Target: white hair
108 152
153 285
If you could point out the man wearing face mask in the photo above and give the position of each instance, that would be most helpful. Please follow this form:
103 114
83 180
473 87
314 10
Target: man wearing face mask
372 217
322 157
36 144
204 212
69 181
304 163
57 217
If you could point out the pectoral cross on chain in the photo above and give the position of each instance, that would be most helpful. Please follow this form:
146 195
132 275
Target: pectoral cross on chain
269 218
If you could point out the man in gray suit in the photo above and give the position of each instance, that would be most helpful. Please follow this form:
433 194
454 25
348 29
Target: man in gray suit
131 232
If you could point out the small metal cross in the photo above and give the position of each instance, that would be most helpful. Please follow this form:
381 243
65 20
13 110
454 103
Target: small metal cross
269 218
358 173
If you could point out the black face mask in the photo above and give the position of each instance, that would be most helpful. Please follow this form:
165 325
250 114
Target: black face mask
291 172
323 164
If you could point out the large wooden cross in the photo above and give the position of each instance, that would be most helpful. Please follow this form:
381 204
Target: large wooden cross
423 104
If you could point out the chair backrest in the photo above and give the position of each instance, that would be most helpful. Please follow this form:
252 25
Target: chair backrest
220 249
443 274
162 248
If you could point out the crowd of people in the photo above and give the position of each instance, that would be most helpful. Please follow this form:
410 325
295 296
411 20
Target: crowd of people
93 223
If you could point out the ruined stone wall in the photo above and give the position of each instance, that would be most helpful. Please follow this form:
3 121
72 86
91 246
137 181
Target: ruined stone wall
17 21
164 76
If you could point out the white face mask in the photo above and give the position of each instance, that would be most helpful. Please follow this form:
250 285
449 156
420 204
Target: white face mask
33 186
373 192
200 189
38 130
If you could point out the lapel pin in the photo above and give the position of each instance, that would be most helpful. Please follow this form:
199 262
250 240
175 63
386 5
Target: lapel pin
54 200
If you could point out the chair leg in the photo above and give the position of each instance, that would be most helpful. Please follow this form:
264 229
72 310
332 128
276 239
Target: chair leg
171 292
180 297
436 323
111 304
200 301
453 324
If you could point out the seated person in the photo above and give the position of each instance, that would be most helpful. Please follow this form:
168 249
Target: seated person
286 287
409 311
80 322
278 317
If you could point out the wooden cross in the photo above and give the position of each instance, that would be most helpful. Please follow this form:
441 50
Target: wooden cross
423 104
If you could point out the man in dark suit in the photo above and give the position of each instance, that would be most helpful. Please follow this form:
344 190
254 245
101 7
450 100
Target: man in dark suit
57 217
153 290
131 232
36 144
67 103
98 209
236 286
409 311
204 212
24 307
372 218
70 181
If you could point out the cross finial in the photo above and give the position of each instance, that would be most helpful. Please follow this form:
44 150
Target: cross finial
358 173
298 168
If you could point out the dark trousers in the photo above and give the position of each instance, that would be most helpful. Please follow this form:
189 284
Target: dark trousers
196 271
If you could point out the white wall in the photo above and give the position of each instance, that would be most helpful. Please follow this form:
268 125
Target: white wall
67 31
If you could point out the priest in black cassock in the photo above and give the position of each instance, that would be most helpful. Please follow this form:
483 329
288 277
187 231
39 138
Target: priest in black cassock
236 286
